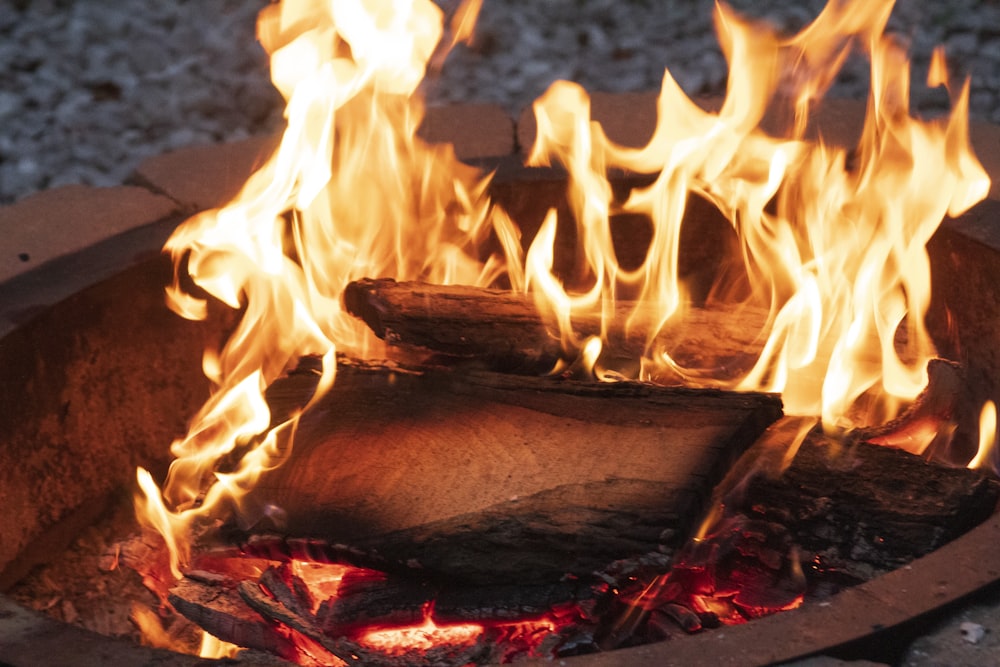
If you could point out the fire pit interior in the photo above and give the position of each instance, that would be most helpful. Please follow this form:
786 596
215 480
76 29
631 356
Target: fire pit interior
515 473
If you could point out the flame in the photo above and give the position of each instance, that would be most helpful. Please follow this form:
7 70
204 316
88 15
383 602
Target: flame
832 238
987 436
836 253
349 192
216 649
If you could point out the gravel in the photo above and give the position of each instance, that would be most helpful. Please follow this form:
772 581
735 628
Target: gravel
89 88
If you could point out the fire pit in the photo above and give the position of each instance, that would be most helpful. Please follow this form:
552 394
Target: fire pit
961 251
92 365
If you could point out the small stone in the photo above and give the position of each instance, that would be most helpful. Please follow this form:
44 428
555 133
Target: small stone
10 103
972 632
963 43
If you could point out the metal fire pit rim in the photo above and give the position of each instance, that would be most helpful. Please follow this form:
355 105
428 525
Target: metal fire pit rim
959 568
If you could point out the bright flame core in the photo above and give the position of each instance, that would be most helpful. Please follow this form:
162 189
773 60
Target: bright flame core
835 253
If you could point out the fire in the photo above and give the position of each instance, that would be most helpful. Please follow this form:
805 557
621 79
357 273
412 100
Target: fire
421 637
832 237
837 254
350 192
987 436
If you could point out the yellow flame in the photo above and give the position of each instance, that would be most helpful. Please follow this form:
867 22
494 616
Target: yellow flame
349 192
832 238
837 253
987 436
214 648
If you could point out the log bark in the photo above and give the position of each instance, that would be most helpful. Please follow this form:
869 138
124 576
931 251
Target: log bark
855 510
504 330
870 507
222 612
544 477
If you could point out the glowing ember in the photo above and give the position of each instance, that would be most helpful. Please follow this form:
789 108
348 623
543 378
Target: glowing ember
835 254
421 637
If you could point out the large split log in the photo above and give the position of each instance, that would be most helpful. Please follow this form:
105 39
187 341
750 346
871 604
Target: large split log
486 477
504 330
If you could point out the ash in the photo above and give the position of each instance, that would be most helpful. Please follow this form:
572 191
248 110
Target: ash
90 88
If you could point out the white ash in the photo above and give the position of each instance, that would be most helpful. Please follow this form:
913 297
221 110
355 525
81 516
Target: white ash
89 88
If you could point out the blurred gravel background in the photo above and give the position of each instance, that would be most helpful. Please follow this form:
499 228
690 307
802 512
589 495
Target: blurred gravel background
89 88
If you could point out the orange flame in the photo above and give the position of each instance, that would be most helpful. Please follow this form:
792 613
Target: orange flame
987 436
350 192
836 253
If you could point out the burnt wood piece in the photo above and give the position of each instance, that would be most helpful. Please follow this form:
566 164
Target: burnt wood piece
250 613
504 330
868 507
802 516
544 476
855 510
366 603
219 610
396 602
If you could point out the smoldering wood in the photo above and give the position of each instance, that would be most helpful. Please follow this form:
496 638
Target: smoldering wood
274 547
244 615
856 510
287 589
504 330
383 604
220 611
544 476
395 602
898 508
512 602
390 602
839 513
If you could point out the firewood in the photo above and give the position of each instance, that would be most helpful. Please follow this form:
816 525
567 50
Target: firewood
504 330
865 509
548 477
220 611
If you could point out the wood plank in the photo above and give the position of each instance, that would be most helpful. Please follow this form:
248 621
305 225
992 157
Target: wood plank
524 465
504 330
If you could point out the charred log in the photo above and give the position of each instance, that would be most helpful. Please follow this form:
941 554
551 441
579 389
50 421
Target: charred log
865 509
219 610
504 330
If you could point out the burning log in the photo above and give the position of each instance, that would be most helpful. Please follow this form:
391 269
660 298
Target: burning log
841 512
799 525
543 476
504 330
217 607
356 623
865 509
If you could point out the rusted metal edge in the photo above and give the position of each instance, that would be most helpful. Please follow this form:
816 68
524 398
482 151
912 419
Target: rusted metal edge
27 294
